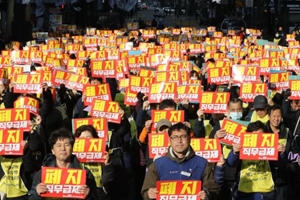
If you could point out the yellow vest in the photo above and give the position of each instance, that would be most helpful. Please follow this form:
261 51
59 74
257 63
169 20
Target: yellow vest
96 170
255 118
11 183
2 106
208 127
256 176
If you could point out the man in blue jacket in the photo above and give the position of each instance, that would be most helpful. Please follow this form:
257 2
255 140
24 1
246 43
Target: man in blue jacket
181 163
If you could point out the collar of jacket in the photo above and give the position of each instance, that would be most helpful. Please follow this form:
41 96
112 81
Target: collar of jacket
282 129
190 153
50 161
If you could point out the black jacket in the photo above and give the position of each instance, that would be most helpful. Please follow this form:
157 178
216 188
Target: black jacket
50 161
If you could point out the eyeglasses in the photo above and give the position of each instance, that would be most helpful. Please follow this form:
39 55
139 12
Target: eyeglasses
177 137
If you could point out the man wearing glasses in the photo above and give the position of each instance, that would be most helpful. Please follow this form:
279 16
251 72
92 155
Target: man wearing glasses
180 163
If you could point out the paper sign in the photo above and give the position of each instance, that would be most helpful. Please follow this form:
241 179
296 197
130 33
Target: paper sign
158 144
90 149
208 148
15 118
174 116
279 81
169 76
140 84
103 68
161 91
214 102
130 98
76 81
259 146
179 189
26 102
189 92
106 109
101 91
250 90
10 142
27 83
63 182
219 75
245 74
295 89
233 130
100 124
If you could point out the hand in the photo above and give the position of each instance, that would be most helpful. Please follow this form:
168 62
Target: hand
220 134
148 125
236 148
188 124
84 190
185 102
106 157
41 189
281 148
24 143
74 90
202 195
221 162
146 105
83 97
270 101
38 120
231 81
200 114
152 192
45 86
121 112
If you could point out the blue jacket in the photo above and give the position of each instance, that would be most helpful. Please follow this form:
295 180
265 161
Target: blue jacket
192 167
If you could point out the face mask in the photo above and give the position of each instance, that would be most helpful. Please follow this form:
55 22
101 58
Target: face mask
236 115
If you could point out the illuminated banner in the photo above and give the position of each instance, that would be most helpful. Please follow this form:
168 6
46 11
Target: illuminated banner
174 116
27 83
106 109
279 81
140 84
233 130
100 124
158 144
63 182
26 102
179 189
295 89
76 81
250 90
208 148
92 92
190 92
90 149
130 98
15 118
259 146
219 76
10 142
214 102
161 91
103 68
245 74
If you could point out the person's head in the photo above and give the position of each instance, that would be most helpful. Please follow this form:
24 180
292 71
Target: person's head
86 131
61 143
257 127
260 105
95 81
194 75
179 135
280 28
242 28
275 115
163 126
167 104
235 108
295 105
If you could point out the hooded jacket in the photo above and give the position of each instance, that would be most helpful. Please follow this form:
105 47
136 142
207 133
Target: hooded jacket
202 169
50 161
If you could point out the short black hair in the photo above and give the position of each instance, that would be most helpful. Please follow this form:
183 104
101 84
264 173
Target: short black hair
62 133
255 126
235 100
88 128
167 103
273 108
98 79
179 126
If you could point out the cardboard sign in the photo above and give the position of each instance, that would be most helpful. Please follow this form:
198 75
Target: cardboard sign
161 91
174 116
245 74
295 89
15 118
190 92
214 102
179 189
140 84
279 81
101 91
259 146
100 124
208 148
158 144
63 182
106 109
27 83
105 68
10 142
250 90
90 149
233 130
32 104
219 76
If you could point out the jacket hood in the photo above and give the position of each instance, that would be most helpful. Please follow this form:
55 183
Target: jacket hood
50 161
190 153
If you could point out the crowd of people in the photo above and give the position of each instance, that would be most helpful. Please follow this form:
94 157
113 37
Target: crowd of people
127 171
